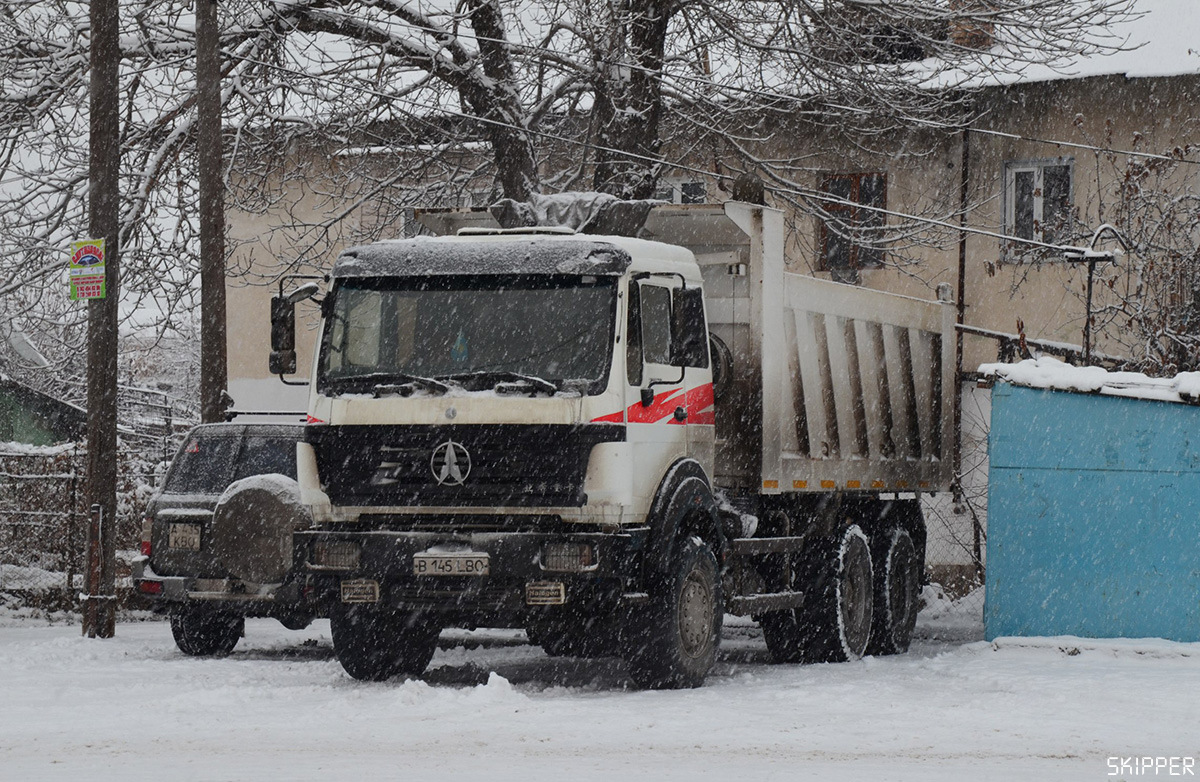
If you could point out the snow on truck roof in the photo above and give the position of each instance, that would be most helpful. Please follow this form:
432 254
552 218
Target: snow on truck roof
1052 374
527 251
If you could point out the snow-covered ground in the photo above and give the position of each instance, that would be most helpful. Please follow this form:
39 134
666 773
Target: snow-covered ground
492 707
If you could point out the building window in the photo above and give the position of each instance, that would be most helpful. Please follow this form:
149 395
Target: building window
1037 200
840 253
677 191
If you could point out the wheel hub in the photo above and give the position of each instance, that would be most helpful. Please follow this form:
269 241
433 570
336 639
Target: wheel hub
695 615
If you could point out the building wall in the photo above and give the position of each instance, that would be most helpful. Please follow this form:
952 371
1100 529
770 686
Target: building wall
923 169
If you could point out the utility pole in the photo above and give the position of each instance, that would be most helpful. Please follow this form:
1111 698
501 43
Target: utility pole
103 222
213 352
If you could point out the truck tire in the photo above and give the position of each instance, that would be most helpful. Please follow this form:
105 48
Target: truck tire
897 592
374 645
589 636
203 633
671 642
835 622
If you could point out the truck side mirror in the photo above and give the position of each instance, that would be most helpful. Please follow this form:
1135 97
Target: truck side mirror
689 336
283 336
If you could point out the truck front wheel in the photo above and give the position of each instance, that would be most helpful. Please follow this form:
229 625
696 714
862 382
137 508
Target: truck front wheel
374 645
201 633
671 642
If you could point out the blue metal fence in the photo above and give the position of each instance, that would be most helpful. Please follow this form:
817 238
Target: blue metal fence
1094 516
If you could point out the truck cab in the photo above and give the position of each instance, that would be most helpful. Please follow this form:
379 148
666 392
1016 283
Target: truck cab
492 418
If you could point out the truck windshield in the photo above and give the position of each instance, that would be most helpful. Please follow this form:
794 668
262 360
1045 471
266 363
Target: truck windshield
519 335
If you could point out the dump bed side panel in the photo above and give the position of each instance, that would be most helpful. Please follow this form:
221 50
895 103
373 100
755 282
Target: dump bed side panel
868 401
835 387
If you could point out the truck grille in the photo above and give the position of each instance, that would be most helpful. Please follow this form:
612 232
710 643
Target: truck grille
511 465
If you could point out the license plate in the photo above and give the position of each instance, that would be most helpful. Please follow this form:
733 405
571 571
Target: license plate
360 590
466 564
184 536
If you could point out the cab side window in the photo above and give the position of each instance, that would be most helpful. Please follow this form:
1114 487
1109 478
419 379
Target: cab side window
666 327
656 324
633 338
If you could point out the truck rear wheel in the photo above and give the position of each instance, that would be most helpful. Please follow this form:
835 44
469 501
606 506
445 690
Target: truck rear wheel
834 624
671 643
897 591
202 633
374 645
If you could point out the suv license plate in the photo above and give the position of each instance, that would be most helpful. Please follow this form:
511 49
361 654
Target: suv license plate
184 536
361 590
468 564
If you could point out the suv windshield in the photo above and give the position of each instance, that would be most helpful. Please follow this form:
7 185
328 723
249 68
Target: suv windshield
207 464
536 335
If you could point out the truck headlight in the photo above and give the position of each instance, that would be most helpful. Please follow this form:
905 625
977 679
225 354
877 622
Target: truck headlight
569 557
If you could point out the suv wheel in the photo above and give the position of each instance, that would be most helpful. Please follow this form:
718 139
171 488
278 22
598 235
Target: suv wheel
202 633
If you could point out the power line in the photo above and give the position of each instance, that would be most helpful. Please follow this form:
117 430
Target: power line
1076 145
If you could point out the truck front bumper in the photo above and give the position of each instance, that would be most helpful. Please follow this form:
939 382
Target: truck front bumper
514 589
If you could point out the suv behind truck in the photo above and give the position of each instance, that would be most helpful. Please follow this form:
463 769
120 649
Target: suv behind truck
216 539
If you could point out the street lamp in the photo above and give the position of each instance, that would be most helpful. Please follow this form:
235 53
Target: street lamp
1091 256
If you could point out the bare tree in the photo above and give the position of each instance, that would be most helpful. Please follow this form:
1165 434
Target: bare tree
1148 302
373 106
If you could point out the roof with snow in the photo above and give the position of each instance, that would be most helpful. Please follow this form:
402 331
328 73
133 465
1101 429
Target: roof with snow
1159 39
1052 374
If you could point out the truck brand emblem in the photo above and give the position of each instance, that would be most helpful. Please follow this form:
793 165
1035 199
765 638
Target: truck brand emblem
451 463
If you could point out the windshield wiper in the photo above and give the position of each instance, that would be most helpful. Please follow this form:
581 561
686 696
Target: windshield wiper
380 383
494 378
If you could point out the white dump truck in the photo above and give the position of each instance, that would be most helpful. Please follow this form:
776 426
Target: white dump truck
613 442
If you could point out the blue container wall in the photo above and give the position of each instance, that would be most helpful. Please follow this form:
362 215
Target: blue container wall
1093 516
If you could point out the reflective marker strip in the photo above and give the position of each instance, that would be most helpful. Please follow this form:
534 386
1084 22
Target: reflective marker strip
770 484
799 484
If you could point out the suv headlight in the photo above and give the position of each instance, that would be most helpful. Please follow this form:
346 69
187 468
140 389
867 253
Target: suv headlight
335 555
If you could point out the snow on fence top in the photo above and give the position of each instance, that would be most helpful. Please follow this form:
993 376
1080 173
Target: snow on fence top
1050 373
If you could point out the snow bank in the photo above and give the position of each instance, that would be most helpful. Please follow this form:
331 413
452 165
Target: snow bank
1050 373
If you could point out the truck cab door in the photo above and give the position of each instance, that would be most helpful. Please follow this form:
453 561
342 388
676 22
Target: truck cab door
669 382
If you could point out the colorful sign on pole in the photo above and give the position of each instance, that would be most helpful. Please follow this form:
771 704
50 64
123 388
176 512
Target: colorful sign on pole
87 269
